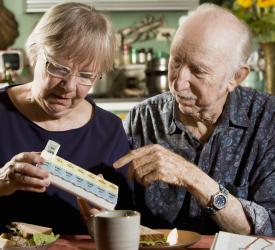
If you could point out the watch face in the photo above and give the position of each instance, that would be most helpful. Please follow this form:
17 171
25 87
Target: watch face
219 201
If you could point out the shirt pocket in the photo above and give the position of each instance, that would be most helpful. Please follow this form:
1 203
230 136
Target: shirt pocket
238 191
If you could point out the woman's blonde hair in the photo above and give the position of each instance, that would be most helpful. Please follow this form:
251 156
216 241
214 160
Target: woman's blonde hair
74 31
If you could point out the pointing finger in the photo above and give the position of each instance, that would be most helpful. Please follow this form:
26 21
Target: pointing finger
124 160
134 154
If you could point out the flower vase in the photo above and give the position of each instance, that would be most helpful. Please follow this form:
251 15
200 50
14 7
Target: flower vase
269 57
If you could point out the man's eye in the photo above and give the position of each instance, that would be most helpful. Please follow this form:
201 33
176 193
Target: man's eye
176 64
198 74
196 71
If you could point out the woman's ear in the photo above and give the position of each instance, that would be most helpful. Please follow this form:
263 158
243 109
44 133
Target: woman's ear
239 76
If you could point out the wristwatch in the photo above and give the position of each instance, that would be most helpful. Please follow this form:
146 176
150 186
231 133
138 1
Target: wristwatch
218 201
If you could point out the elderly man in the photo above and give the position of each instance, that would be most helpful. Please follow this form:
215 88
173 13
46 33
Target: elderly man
209 145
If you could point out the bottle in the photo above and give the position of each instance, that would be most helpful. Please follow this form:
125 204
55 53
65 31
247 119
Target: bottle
149 54
7 78
141 56
133 56
126 57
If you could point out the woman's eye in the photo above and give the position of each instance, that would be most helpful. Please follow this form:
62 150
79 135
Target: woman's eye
63 70
87 75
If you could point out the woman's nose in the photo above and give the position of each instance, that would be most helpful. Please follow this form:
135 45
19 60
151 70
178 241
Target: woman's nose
70 83
183 79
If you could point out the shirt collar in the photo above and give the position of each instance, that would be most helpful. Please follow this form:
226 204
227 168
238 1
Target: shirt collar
234 111
238 109
171 122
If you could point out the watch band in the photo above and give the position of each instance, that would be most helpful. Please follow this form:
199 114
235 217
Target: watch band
212 209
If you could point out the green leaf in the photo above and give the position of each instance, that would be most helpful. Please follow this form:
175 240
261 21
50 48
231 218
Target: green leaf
43 239
14 230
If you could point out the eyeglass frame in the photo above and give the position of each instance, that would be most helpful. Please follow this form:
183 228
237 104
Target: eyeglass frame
92 78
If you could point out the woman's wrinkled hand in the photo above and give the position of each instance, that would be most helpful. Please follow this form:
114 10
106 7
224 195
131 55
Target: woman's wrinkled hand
88 212
21 173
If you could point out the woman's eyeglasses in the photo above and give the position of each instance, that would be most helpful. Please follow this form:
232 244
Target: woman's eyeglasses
60 71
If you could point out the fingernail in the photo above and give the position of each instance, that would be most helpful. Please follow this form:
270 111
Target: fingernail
48 183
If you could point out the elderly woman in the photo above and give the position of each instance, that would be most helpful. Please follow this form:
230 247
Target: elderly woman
70 48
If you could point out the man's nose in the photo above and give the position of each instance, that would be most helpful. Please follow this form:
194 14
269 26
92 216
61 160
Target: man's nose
182 82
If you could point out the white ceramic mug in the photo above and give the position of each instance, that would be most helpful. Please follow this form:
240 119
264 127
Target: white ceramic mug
116 230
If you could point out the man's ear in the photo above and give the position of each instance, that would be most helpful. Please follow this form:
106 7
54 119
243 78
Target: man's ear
239 76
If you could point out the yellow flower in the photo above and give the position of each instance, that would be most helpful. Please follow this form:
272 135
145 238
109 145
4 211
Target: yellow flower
259 15
245 3
265 3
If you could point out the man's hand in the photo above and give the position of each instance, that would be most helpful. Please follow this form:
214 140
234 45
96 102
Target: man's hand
155 163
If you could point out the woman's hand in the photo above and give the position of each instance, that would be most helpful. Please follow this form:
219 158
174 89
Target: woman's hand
86 211
21 173
87 214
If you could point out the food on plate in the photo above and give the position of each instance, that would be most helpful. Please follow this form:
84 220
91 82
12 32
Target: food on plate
151 237
172 237
23 234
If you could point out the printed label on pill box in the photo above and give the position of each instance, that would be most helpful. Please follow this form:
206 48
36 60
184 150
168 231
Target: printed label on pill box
78 176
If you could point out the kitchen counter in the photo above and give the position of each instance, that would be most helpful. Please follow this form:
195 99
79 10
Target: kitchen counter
118 106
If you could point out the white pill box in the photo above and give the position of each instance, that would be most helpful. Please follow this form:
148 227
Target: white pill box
78 181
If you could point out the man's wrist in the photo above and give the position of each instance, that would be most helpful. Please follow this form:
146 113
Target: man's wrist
218 201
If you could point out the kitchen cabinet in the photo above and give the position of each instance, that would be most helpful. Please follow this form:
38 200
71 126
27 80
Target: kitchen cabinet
119 5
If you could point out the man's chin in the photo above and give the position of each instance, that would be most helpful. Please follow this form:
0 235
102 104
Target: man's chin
188 110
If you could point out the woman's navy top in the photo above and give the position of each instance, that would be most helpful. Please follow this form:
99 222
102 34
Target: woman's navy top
94 146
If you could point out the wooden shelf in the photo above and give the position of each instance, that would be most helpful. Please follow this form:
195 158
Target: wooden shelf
37 6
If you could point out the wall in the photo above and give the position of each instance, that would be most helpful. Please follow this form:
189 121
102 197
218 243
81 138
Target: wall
120 20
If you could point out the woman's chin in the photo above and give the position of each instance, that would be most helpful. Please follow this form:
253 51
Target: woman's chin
56 110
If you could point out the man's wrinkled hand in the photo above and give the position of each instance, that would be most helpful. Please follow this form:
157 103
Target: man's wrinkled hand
155 163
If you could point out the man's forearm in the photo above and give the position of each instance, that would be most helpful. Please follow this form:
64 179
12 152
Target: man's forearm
232 218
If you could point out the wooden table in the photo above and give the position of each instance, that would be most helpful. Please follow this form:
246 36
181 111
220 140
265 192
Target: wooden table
84 242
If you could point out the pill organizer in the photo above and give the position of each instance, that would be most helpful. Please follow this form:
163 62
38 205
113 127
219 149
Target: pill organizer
78 181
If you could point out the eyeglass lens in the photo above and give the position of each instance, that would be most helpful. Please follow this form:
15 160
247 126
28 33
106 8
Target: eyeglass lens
57 70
